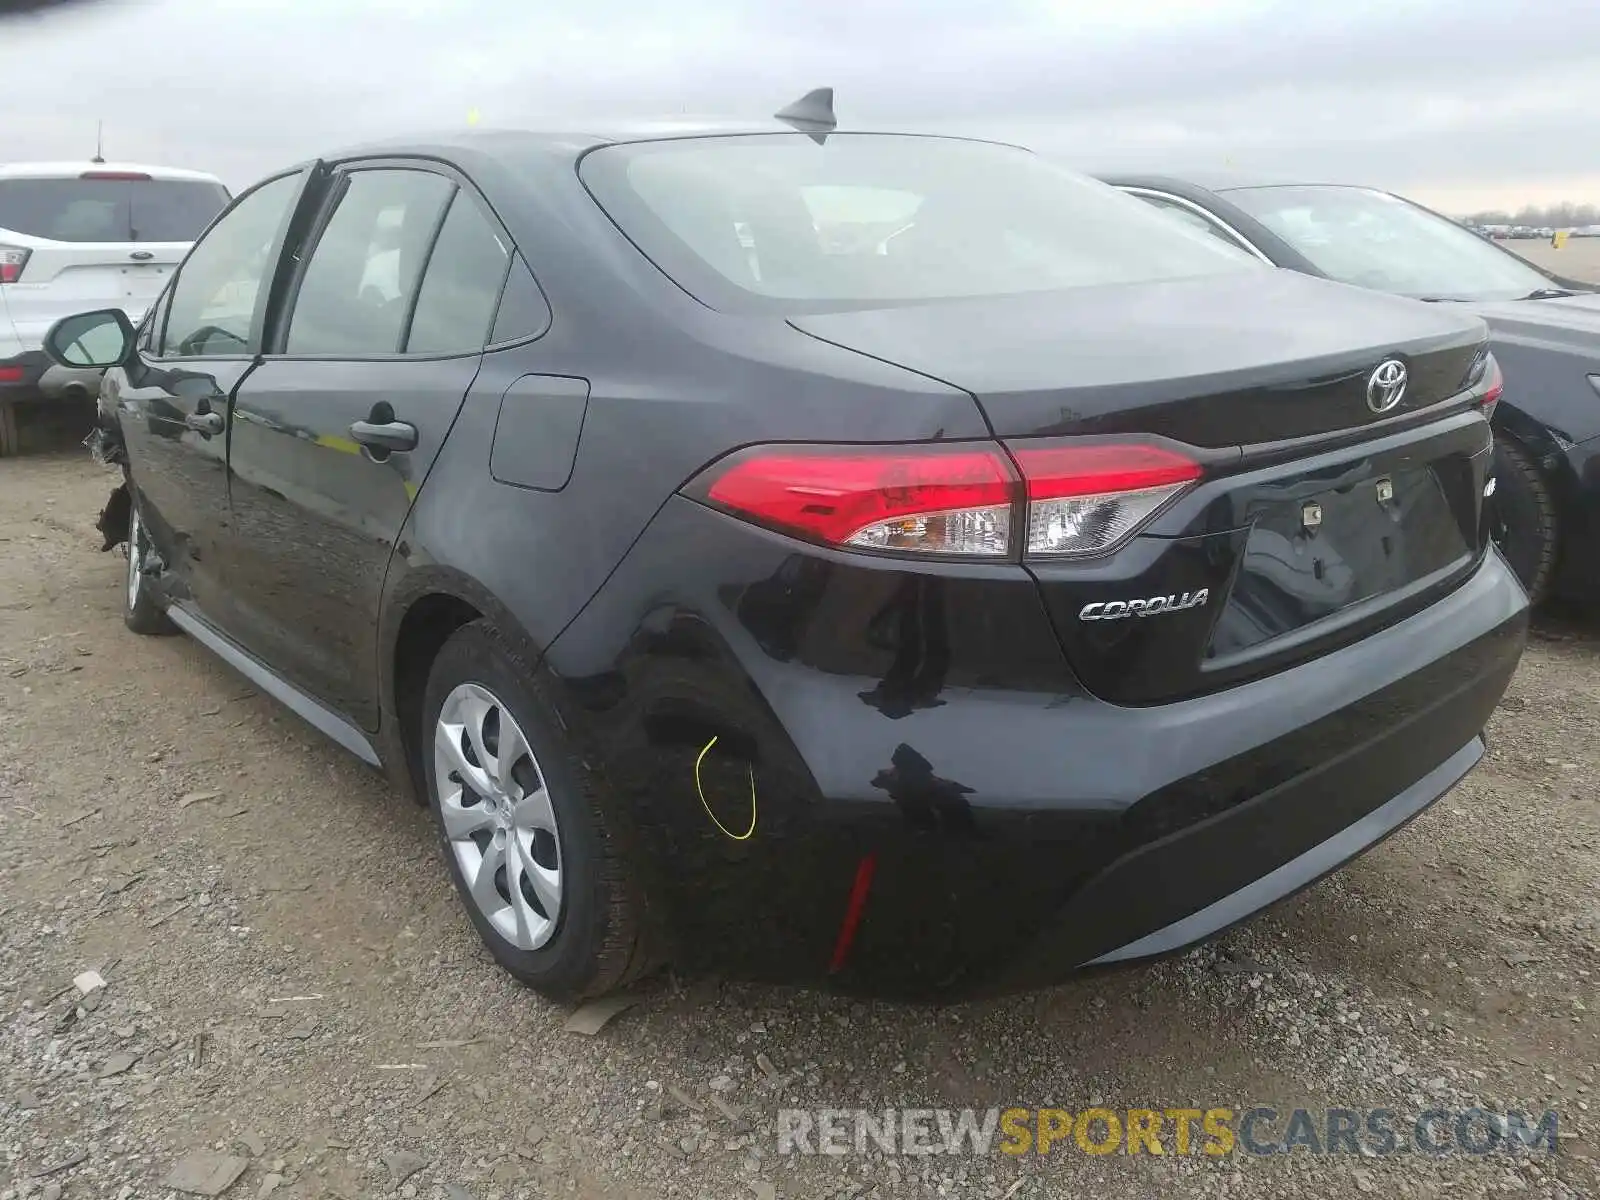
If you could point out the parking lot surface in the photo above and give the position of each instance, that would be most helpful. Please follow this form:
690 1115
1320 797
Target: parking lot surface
292 991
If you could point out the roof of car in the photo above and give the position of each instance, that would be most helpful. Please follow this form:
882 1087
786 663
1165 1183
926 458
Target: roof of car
75 170
1213 180
576 140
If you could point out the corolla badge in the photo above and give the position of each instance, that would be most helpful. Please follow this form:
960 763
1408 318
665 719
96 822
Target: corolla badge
1386 386
1115 610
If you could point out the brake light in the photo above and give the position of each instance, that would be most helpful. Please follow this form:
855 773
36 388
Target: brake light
12 260
9 374
125 176
1087 498
953 499
1494 386
930 500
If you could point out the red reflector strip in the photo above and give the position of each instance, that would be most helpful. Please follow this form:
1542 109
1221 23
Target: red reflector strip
10 374
832 494
122 175
852 913
1053 472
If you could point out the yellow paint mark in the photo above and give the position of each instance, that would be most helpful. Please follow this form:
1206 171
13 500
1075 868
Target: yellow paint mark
342 445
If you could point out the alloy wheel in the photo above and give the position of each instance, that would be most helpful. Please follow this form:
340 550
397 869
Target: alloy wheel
497 816
135 558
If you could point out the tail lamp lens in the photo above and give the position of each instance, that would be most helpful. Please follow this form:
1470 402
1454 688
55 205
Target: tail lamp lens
953 500
1085 499
12 260
1494 386
924 501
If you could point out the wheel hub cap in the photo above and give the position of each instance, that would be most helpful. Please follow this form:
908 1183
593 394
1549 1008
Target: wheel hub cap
497 816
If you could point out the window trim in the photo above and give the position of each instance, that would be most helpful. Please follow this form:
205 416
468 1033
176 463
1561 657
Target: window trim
342 170
1203 213
307 173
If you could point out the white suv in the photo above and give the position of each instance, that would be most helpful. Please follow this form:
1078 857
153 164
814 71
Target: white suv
76 236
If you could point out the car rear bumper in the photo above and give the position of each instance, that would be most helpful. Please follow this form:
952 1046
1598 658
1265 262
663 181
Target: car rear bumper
21 373
920 829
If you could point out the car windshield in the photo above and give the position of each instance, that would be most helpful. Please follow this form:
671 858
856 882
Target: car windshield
110 210
1377 240
782 223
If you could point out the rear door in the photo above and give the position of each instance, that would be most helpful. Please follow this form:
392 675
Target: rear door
100 239
172 400
335 432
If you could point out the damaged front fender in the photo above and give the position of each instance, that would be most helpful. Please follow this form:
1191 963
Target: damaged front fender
115 517
106 447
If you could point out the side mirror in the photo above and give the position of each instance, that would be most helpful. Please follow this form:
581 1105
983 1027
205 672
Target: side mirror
103 338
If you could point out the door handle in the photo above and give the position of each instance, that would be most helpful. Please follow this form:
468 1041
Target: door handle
385 435
207 423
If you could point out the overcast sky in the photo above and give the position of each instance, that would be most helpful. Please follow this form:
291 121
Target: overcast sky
1460 103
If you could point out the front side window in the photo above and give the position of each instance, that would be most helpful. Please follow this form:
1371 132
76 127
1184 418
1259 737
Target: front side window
212 306
1375 240
461 285
362 274
778 222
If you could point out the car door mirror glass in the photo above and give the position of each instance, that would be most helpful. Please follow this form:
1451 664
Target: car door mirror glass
93 339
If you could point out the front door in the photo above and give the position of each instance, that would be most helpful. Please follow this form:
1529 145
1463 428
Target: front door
335 431
172 399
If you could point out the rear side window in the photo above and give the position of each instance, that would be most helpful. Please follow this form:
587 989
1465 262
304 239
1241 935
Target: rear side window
778 222
523 311
363 273
110 210
461 285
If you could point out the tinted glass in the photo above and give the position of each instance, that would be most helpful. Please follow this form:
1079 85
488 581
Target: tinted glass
359 282
214 299
1376 240
110 210
1182 212
779 222
523 311
461 285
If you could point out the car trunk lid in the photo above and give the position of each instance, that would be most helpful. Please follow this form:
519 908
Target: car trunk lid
1317 519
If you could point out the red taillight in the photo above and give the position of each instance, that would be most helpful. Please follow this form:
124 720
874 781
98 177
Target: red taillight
1087 498
12 260
10 374
935 499
1494 386
953 499
125 176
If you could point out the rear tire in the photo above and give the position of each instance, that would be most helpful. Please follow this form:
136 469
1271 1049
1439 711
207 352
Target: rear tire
142 612
1525 525
538 866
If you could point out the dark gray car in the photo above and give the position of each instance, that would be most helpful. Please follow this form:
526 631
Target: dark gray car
1545 331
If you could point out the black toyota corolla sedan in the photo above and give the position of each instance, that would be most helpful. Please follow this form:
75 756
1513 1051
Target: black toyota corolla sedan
1545 331
881 559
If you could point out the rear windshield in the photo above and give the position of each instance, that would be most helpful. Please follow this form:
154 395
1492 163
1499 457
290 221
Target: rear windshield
778 222
110 210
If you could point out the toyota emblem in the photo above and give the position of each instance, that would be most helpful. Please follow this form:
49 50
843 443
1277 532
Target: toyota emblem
1387 385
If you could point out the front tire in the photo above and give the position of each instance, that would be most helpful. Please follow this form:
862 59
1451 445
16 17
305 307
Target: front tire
142 612
1525 524
539 868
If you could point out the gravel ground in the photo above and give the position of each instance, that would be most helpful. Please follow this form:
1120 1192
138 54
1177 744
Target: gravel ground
290 984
